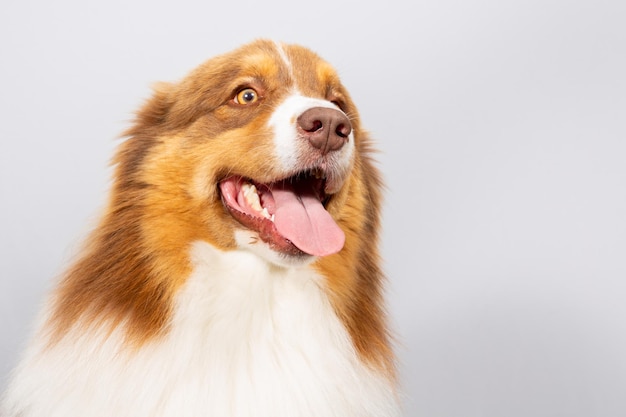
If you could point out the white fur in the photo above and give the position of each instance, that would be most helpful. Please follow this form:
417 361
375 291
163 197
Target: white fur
248 338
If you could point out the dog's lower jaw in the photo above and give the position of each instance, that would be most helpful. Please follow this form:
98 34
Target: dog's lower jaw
248 240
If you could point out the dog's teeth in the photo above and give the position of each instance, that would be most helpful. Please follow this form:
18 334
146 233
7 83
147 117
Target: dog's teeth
318 173
251 196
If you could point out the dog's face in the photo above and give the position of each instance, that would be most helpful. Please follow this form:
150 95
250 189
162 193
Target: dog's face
253 149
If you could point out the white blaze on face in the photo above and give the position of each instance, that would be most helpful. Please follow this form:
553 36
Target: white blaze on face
289 147
283 56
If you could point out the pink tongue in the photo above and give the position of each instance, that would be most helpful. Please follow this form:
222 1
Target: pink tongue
301 218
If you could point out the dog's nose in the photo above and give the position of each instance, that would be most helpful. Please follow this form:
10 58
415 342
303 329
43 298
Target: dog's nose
327 129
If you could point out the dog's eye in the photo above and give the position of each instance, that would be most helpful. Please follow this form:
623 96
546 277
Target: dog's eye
246 96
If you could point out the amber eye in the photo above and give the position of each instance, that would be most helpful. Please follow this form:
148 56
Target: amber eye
246 96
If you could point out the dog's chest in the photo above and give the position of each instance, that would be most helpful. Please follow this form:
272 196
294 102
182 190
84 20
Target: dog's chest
246 339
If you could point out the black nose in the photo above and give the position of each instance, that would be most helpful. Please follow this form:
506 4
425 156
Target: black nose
325 128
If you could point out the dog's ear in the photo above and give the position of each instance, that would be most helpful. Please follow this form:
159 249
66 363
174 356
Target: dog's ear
152 117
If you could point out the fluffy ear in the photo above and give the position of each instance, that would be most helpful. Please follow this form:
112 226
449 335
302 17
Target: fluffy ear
153 116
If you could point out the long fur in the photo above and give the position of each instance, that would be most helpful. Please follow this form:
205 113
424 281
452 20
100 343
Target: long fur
173 308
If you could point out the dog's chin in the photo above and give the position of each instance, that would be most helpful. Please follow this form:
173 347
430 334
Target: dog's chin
249 241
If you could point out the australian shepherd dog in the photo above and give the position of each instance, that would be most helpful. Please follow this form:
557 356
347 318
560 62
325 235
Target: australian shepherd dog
235 269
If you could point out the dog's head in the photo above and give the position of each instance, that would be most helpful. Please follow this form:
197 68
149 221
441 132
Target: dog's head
258 150
254 149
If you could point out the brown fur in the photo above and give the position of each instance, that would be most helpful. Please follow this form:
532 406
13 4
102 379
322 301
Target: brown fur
185 139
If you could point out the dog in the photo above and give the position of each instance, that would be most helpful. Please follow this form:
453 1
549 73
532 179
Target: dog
235 269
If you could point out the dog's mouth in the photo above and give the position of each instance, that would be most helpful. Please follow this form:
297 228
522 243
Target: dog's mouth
290 214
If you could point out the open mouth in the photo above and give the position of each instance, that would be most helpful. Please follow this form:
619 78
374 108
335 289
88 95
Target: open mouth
290 215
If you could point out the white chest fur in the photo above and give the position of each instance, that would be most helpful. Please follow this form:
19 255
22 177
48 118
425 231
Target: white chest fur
247 339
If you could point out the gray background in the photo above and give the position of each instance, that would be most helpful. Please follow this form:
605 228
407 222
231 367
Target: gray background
503 135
